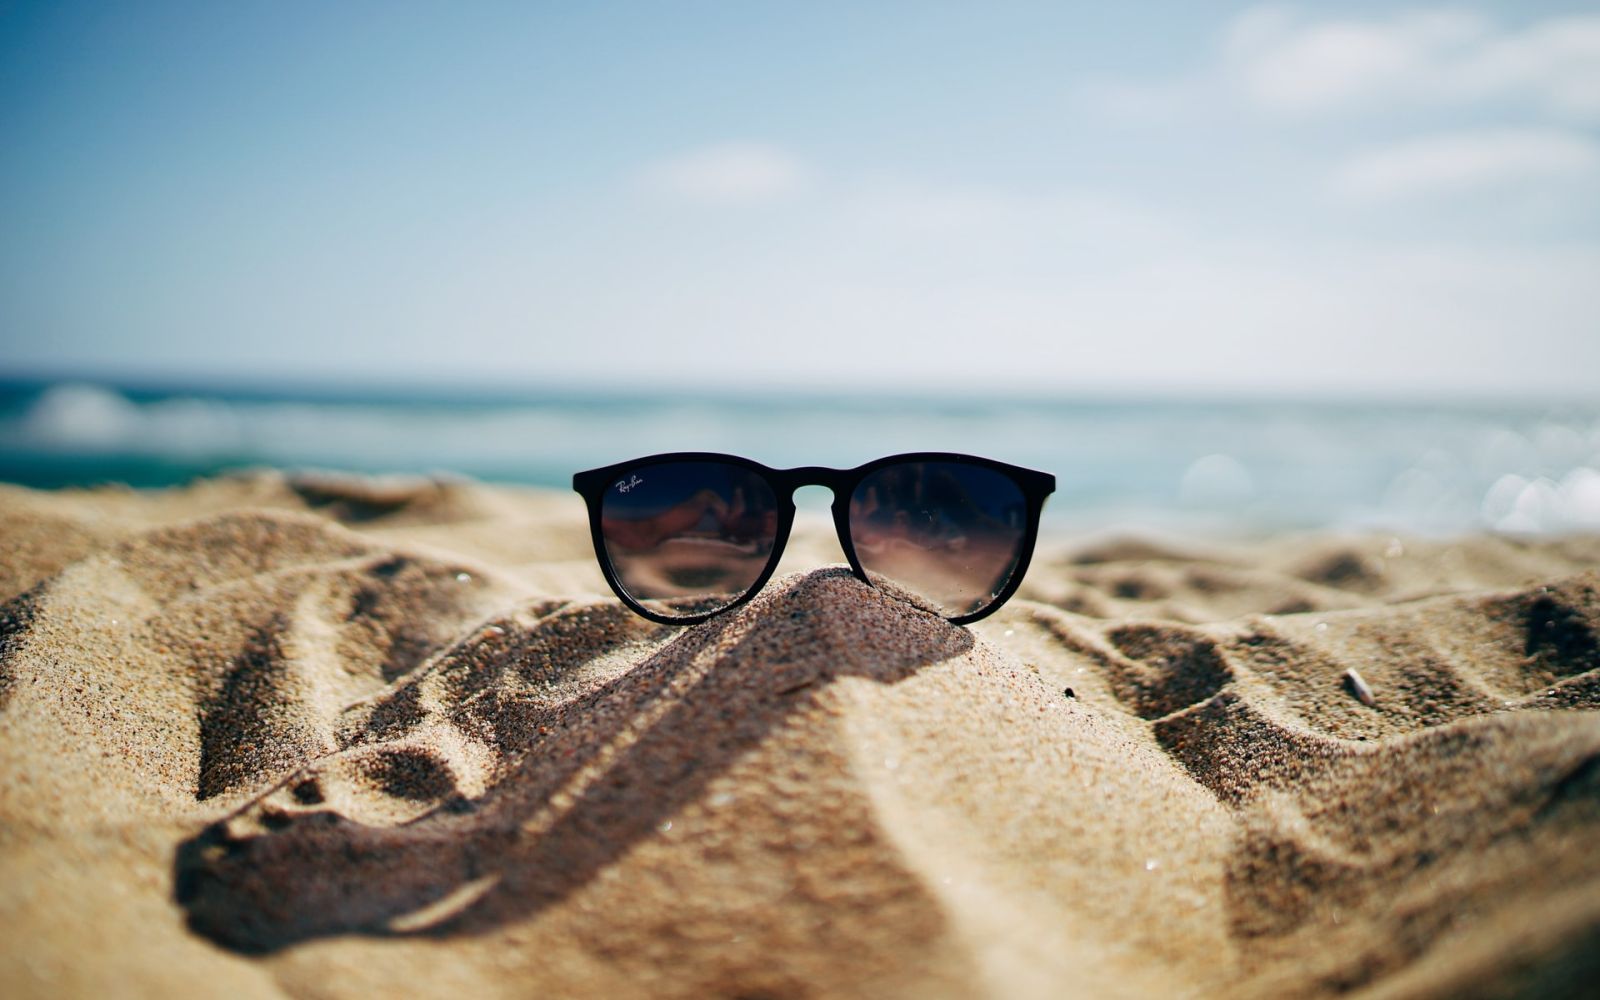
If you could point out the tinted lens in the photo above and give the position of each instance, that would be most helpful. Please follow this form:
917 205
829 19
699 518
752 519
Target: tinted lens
947 532
688 537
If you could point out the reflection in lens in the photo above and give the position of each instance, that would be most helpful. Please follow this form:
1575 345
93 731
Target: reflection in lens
688 537
948 532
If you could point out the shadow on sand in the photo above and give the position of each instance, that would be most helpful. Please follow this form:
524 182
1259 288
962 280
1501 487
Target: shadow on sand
596 774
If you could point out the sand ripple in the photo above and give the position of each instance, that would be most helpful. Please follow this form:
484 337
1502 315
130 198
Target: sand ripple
323 737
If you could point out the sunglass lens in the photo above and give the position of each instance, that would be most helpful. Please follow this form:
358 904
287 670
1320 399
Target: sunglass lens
686 538
948 532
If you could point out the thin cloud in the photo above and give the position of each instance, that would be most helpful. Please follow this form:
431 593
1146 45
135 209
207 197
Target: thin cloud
1284 61
729 173
1281 60
1461 162
910 207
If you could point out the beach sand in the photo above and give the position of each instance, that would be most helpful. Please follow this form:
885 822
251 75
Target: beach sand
331 738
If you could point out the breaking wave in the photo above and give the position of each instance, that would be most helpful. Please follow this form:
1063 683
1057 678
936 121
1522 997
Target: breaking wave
1183 466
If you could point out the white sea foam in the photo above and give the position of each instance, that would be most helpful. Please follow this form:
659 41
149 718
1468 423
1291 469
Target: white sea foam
1118 464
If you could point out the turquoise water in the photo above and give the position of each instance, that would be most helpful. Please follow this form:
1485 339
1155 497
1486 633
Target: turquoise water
1211 467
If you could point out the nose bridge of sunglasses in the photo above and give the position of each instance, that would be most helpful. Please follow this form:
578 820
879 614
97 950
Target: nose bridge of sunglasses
813 542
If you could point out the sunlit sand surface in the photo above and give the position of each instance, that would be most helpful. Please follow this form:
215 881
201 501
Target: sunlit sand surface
266 737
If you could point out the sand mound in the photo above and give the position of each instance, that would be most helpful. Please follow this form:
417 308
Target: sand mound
265 737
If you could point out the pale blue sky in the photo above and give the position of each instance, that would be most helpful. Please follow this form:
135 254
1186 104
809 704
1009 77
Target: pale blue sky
1342 197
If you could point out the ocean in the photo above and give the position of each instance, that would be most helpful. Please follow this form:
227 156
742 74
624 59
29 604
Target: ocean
1206 467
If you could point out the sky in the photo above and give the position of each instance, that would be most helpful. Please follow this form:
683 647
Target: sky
1166 197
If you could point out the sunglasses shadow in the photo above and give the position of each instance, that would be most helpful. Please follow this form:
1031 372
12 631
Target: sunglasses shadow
418 844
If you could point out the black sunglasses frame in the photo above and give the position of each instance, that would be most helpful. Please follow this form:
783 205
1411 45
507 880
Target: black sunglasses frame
592 486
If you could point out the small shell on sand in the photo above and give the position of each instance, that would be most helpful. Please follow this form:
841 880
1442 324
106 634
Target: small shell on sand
1360 688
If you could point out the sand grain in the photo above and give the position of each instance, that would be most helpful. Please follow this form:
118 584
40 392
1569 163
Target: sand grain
267 736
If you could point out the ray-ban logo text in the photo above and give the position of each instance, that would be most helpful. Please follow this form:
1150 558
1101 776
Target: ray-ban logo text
632 481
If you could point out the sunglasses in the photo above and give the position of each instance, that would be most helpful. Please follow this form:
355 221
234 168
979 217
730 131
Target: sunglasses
686 536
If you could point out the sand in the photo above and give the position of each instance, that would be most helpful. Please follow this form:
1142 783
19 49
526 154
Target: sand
267 736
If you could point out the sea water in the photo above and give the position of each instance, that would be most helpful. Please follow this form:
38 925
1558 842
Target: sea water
1211 466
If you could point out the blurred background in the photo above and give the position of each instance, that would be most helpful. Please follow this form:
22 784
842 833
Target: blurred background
1220 267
